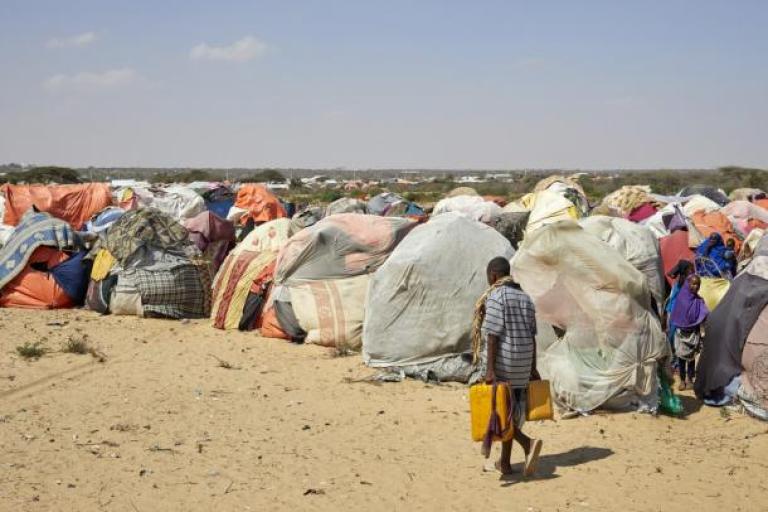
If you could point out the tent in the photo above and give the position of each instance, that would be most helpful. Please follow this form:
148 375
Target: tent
176 201
160 272
612 343
421 301
219 199
715 222
546 208
745 216
712 193
729 326
567 187
636 244
621 202
378 205
241 269
41 266
753 391
75 204
674 248
346 205
472 207
255 203
321 276
745 194
211 234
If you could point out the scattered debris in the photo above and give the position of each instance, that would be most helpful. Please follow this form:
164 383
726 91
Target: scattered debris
224 364
313 491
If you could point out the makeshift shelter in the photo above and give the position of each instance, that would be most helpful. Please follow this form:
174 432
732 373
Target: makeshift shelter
250 263
636 244
75 204
714 194
462 191
176 201
421 301
715 222
102 220
745 194
219 199
472 207
623 201
745 216
753 391
211 234
321 276
378 205
608 356
569 188
547 208
41 266
255 204
512 226
728 327
308 217
346 205
160 272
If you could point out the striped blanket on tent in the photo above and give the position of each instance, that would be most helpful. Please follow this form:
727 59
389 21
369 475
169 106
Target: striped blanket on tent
35 230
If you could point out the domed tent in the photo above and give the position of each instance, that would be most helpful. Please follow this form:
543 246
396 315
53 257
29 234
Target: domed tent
421 301
578 283
75 204
322 276
636 244
346 205
728 329
255 204
41 266
159 271
249 264
472 207
176 201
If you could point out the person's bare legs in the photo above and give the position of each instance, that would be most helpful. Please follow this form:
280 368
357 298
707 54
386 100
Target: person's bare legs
504 464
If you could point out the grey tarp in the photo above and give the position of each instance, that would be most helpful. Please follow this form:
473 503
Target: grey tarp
421 301
608 356
512 225
728 326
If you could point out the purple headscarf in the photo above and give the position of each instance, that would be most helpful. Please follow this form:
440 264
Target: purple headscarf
690 309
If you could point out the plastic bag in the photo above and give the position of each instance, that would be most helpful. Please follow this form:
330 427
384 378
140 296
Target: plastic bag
669 403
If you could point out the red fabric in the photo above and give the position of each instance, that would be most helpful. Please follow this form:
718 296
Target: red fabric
642 212
74 204
261 204
34 289
674 248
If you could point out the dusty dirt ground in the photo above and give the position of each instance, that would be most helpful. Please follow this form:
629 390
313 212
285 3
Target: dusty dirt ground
161 425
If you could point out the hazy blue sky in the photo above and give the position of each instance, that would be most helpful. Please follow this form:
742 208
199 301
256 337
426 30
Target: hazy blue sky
451 84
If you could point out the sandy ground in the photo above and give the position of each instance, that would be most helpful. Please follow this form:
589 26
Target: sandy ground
160 425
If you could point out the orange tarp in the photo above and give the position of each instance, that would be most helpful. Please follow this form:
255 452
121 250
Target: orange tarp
74 204
34 289
715 222
261 204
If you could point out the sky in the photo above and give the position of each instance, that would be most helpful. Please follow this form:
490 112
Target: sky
384 84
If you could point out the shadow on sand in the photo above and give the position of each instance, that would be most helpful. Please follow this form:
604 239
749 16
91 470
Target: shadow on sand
549 463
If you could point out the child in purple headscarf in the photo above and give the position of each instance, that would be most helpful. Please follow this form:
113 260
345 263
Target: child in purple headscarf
688 315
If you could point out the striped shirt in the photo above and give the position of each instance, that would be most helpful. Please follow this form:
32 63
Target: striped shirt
510 315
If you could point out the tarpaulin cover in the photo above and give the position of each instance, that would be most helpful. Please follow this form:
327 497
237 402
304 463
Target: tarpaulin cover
613 341
346 205
699 203
674 248
104 219
711 193
622 201
754 361
35 230
136 237
715 222
728 326
74 204
176 201
473 207
331 312
259 204
745 194
740 213
378 205
37 289
212 235
636 243
642 212
421 301
306 218
343 245
72 276
548 207
241 266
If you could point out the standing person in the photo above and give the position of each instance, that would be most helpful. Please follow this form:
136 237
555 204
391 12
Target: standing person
680 273
689 314
509 328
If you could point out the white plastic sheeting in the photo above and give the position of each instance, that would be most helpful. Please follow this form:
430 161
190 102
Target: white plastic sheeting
636 243
609 353
473 207
741 212
178 202
699 203
421 301
549 207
